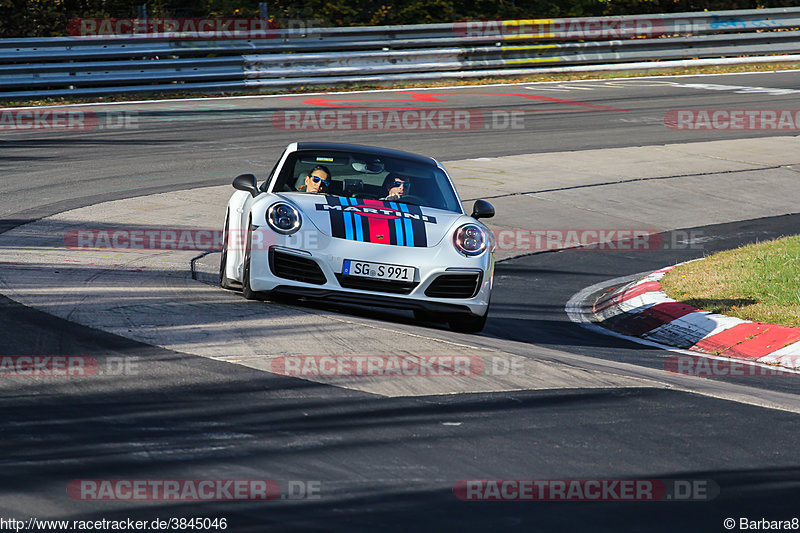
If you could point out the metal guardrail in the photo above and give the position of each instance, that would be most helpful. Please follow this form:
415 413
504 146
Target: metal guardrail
323 56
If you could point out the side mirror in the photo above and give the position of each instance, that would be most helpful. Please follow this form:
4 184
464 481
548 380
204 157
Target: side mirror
482 209
246 182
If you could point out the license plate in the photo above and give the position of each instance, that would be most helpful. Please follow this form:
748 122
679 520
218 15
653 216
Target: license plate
377 270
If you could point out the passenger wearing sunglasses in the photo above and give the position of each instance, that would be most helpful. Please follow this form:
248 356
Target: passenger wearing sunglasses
318 180
396 187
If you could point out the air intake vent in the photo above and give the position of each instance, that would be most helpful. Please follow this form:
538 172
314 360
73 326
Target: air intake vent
455 285
290 266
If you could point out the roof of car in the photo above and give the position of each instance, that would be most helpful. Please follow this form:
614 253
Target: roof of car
365 150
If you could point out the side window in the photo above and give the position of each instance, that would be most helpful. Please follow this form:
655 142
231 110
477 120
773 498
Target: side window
285 181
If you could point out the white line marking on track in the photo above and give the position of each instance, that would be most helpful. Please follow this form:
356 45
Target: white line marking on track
414 89
739 89
575 313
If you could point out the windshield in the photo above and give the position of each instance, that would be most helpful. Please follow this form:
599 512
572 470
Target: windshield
367 176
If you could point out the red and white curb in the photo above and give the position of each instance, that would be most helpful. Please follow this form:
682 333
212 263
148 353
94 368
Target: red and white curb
641 309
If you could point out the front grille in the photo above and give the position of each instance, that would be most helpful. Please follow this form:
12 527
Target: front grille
290 266
377 285
455 285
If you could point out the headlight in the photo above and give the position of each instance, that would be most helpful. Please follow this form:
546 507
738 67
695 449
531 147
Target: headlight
470 239
283 218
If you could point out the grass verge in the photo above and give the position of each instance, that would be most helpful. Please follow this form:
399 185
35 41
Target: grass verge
758 282
558 77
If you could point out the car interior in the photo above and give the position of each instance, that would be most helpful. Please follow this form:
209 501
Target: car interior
362 177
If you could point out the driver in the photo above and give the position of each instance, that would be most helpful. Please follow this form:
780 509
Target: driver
318 180
396 187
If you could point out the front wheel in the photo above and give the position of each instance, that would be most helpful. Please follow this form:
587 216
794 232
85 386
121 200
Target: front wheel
247 291
468 323
224 281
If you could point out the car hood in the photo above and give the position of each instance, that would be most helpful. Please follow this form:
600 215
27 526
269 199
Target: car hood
375 221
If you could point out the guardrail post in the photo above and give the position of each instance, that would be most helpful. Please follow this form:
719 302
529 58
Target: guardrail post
141 12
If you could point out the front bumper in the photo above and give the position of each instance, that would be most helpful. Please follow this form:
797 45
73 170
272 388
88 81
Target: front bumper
362 298
430 264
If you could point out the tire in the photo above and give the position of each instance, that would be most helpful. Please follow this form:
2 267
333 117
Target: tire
224 281
247 291
468 323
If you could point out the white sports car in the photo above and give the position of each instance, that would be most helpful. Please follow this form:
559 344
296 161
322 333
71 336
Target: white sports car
360 225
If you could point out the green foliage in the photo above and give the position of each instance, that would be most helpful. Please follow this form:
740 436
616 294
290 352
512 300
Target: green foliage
427 12
45 18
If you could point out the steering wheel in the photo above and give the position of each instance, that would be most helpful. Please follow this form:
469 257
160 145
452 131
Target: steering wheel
410 199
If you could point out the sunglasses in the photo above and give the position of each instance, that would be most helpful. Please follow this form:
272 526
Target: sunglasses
317 179
398 183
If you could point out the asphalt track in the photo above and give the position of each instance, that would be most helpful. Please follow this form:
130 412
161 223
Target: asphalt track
386 463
